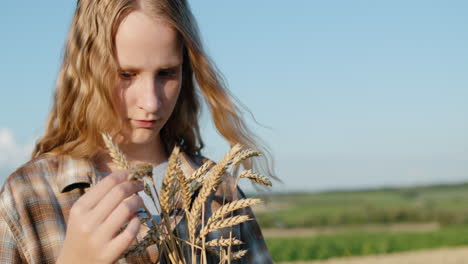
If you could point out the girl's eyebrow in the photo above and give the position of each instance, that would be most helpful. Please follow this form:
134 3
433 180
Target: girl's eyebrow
137 69
131 69
172 66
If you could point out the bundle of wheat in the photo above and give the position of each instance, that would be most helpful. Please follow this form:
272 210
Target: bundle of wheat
188 194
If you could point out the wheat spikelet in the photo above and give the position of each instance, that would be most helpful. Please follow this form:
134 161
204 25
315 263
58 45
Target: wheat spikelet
232 206
197 183
223 223
168 180
140 171
192 225
212 250
236 256
200 171
175 189
116 154
243 155
199 176
232 153
185 191
255 177
223 242
147 190
195 186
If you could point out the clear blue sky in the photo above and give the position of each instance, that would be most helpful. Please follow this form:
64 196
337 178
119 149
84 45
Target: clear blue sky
354 93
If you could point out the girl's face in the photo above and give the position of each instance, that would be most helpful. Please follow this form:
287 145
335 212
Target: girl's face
149 54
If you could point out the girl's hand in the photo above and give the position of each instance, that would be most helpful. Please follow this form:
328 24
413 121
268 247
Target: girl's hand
97 216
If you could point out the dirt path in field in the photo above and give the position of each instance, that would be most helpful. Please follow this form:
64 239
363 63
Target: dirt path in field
309 232
434 256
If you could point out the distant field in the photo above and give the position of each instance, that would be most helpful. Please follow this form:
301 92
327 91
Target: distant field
320 226
316 231
434 256
444 204
363 243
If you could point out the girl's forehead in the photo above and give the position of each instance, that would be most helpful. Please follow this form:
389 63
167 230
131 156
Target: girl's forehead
144 40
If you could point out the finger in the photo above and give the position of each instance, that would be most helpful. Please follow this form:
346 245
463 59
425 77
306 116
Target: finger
122 241
123 213
92 197
113 199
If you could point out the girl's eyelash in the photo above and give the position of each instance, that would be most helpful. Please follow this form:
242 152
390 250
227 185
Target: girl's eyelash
168 72
126 75
162 73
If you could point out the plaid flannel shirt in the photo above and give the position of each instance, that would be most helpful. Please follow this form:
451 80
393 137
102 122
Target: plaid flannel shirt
36 199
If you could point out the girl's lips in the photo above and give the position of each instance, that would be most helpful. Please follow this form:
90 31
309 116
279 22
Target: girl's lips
144 123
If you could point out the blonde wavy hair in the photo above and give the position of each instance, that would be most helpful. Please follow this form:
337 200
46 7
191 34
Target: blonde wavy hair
84 104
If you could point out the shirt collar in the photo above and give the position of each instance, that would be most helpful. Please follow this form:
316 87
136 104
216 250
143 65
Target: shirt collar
75 172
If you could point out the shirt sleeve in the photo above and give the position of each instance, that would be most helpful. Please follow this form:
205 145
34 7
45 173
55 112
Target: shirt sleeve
253 239
9 252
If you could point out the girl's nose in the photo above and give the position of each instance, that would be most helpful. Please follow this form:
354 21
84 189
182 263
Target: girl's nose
148 95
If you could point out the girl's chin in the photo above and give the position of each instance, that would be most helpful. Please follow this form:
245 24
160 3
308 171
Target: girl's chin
141 138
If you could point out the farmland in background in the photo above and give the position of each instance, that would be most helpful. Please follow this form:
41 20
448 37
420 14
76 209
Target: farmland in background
313 226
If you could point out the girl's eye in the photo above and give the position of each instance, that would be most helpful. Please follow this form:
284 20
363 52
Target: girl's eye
126 75
168 73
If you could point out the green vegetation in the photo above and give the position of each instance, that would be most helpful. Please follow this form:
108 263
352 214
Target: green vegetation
353 244
445 204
